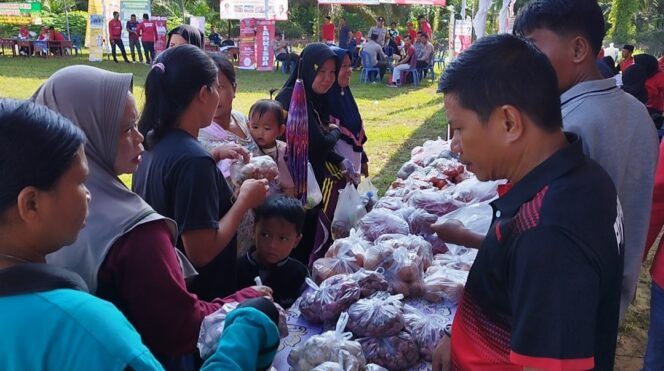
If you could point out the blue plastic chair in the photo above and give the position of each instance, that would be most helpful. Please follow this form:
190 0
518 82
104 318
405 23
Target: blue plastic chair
429 68
412 71
77 41
439 59
366 70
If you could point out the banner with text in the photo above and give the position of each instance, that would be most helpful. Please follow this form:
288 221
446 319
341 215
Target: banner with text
19 13
463 33
242 9
247 44
264 37
127 8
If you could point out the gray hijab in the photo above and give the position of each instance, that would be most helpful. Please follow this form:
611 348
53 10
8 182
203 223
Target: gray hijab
95 100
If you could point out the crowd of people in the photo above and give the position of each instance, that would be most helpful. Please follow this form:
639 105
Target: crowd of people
126 276
158 258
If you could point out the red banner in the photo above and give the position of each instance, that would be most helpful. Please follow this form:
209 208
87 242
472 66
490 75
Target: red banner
247 44
264 51
160 44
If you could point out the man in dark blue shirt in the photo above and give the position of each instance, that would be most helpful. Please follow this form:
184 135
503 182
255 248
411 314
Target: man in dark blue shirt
544 291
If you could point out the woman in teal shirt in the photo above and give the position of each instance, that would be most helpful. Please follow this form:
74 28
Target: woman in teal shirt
49 321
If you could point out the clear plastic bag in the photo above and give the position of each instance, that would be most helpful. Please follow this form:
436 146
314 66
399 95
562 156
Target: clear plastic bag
314 195
379 222
327 301
353 245
378 256
211 329
325 268
475 217
433 201
213 326
396 352
463 259
404 274
415 244
444 283
390 203
370 282
331 346
420 222
378 315
368 192
473 191
258 167
349 210
426 329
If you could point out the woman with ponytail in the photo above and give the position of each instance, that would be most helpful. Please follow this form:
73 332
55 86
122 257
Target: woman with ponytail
180 179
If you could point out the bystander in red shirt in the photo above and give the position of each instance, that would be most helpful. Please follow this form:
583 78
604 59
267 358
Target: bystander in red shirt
115 29
328 32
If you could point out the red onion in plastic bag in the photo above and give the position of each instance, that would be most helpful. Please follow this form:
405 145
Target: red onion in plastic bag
433 201
379 222
331 346
426 329
444 283
327 301
325 268
258 167
370 281
412 243
378 315
396 352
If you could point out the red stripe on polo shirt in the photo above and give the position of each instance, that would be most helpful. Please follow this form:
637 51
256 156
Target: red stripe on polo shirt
552 363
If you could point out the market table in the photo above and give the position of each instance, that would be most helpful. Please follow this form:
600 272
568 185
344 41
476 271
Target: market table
300 330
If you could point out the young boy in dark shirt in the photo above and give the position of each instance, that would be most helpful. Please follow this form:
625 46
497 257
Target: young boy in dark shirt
277 230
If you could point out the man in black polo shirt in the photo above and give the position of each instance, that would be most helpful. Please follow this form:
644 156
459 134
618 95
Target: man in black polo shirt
544 292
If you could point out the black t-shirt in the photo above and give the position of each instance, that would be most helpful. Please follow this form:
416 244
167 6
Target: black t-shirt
544 291
180 180
286 278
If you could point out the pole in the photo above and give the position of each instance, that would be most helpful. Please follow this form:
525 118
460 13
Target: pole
463 10
67 20
318 21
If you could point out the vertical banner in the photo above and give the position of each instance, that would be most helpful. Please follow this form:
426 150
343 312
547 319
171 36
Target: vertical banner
247 44
450 35
264 37
198 22
96 35
95 7
160 23
463 33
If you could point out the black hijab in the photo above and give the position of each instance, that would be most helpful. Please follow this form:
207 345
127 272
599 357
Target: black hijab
344 108
634 82
193 35
313 56
649 63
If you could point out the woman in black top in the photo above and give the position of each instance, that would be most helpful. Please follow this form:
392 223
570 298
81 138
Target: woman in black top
317 69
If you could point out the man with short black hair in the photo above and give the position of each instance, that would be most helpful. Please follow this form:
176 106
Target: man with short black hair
134 42
380 30
627 59
147 31
426 54
616 129
544 291
115 35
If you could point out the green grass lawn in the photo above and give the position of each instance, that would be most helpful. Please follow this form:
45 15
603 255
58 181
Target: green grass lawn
395 119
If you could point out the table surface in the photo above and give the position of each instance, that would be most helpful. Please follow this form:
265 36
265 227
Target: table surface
300 330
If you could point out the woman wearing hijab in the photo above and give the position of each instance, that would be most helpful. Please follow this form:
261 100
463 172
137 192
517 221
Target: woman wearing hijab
317 69
345 114
185 34
654 86
125 253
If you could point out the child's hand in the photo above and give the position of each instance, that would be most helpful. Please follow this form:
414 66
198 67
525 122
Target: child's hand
253 192
230 151
263 290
